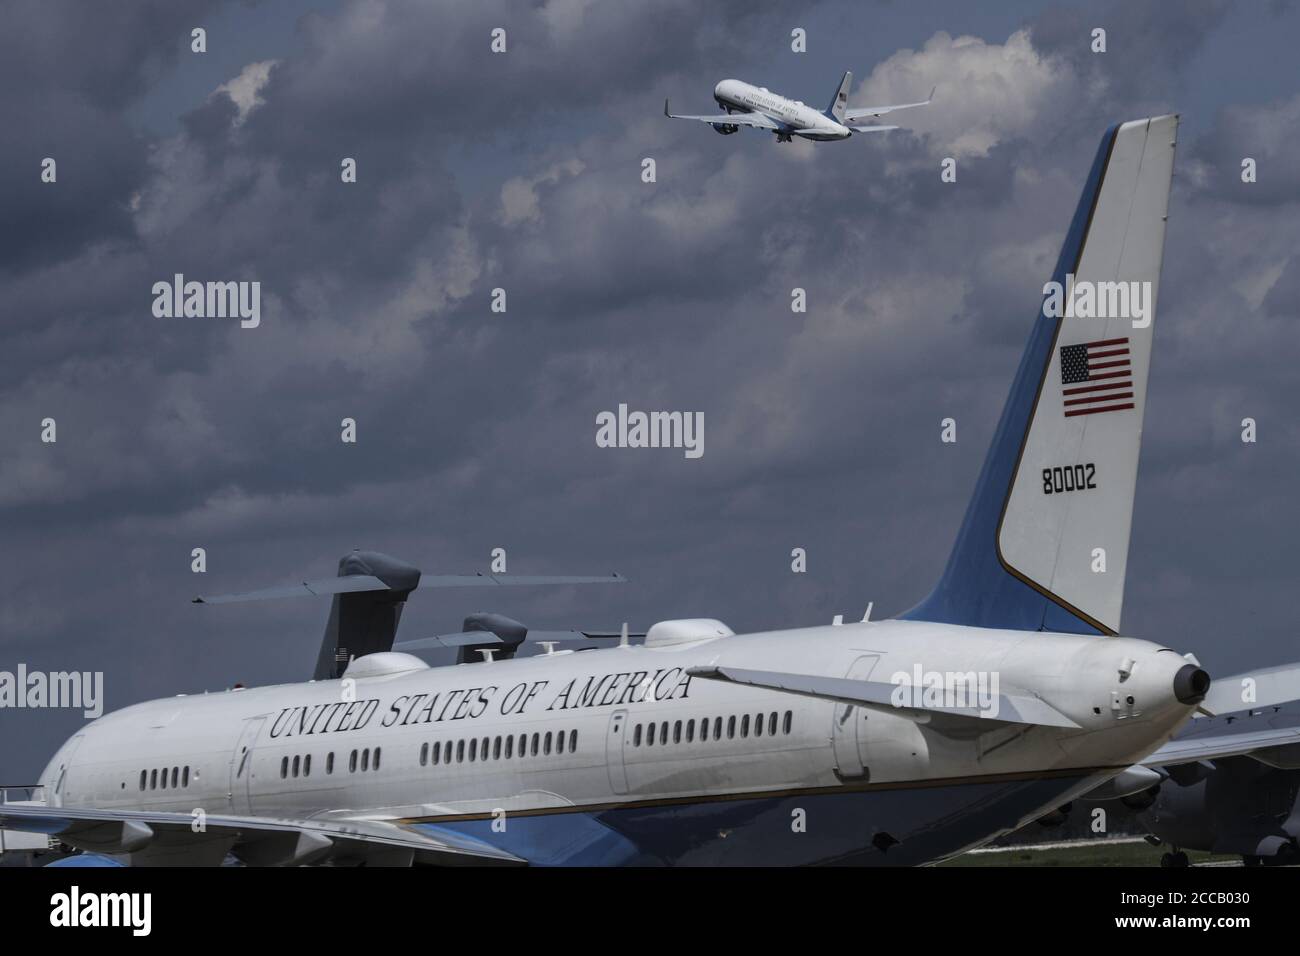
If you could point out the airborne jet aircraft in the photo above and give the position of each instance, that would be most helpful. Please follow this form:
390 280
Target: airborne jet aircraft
1002 695
759 108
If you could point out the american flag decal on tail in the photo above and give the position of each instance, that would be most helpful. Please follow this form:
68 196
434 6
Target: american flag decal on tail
1096 377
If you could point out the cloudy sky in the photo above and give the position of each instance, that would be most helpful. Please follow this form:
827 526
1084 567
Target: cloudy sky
522 171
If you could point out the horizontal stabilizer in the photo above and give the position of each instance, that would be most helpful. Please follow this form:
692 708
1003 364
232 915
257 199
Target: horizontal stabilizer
1253 690
484 637
867 112
362 582
1016 708
463 639
369 593
346 585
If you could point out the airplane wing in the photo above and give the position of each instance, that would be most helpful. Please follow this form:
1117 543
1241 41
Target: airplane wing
258 841
1016 708
470 638
352 583
1260 733
756 120
1226 745
870 112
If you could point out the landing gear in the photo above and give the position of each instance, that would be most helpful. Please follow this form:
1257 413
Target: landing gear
783 137
1176 859
1285 856
1055 817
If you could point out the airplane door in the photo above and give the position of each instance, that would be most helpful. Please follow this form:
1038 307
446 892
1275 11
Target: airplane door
241 767
61 787
849 730
615 741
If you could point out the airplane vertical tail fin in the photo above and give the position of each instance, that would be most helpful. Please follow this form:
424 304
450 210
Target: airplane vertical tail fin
841 101
364 622
1044 544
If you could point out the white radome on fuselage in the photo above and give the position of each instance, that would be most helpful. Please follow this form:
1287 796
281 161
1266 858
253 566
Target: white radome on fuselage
802 120
205 734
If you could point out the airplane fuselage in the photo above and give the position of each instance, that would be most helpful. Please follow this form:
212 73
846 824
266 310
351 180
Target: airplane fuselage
796 118
619 756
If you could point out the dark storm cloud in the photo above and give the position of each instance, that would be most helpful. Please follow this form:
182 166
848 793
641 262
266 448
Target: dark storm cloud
1268 133
106 54
404 80
476 429
1283 298
99 162
172 432
68 69
261 199
1148 44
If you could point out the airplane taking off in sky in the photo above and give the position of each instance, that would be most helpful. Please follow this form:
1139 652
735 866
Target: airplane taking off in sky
1001 696
760 108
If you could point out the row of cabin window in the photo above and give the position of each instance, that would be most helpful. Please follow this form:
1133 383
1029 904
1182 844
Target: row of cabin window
303 764
685 731
498 748
150 779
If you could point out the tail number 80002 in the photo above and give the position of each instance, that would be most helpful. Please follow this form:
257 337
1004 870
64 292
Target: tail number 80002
1065 478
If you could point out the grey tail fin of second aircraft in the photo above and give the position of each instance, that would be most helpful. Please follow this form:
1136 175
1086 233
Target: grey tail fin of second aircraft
364 622
838 105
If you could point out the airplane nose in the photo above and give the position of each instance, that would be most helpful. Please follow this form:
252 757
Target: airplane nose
1191 684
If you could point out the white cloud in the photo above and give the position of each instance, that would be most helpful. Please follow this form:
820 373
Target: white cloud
245 89
987 92
519 200
563 17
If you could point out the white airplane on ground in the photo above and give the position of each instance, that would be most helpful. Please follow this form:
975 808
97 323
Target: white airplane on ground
1001 696
759 107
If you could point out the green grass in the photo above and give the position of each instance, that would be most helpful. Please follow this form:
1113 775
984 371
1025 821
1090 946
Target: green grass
1094 854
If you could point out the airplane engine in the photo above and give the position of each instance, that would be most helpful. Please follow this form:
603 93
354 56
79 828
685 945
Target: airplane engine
1234 805
726 129
1056 817
1142 800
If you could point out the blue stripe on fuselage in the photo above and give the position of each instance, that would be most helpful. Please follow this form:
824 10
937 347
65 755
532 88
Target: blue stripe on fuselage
915 825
